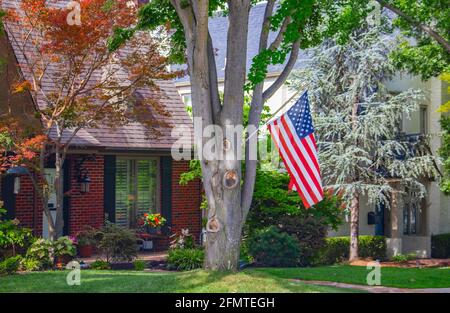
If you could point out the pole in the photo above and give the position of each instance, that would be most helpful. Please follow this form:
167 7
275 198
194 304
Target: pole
276 112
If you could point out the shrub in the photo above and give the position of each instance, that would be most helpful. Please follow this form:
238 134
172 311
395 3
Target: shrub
274 205
440 246
184 240
41 251
63 246
139 265
10 265
116 243
401 258
244 255
336 249
100 265
185 259
272 201
310 233
30 265
270 247
12 236
88 236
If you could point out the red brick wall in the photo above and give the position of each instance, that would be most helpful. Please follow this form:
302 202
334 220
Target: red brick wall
186 201
86 208
26 212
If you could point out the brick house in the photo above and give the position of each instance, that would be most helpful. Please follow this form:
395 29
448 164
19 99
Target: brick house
130 173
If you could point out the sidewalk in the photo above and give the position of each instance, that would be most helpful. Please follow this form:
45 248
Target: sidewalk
373 289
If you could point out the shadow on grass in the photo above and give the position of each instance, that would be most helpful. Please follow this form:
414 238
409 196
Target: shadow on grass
199 281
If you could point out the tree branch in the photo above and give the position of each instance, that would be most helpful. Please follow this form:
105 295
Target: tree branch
235 69
254 118
265 29
285 73
427 29
213 83
277 41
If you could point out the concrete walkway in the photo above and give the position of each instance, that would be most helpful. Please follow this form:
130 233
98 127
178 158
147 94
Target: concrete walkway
373 289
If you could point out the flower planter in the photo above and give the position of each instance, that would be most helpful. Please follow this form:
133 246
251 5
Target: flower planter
85 251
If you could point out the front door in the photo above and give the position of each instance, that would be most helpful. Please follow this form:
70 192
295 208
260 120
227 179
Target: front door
136 189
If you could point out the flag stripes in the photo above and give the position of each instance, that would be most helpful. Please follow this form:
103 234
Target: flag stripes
297 148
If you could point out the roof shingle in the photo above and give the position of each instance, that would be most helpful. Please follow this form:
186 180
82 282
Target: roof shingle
131 136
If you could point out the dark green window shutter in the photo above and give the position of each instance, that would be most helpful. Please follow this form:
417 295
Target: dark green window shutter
166 192
66 201
8 197
109 187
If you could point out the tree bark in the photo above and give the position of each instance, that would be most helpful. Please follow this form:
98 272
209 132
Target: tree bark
227 206
354 228
354 204
59 194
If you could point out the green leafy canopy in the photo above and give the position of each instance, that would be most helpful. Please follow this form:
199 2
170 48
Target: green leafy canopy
310 21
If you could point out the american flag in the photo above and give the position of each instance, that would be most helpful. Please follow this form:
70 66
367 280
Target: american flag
293 134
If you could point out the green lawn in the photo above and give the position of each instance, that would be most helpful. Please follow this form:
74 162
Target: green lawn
130 281
390 276
249 280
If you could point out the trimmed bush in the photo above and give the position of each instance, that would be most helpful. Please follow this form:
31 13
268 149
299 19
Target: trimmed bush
402 258
100 265
10 265
271 247
337 249
139 265
185 259
117 243
440 246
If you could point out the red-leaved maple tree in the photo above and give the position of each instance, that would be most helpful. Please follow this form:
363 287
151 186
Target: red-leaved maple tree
76 82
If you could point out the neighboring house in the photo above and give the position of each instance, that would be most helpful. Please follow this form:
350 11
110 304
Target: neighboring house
407 225
130 173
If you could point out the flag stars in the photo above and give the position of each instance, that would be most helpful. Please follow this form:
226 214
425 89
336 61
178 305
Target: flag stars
300 116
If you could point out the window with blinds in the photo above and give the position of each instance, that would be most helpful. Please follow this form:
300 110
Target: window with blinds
136 190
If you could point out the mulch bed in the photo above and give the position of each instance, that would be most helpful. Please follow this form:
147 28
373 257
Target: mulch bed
418 263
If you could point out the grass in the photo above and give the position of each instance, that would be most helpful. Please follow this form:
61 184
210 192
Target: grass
390 276
198 281
250 280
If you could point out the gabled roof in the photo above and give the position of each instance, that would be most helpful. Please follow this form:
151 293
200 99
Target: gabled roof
218 27
130 137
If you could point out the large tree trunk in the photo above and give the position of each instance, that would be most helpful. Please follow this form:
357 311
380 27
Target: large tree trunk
225 216
224 225
354 227
227 206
